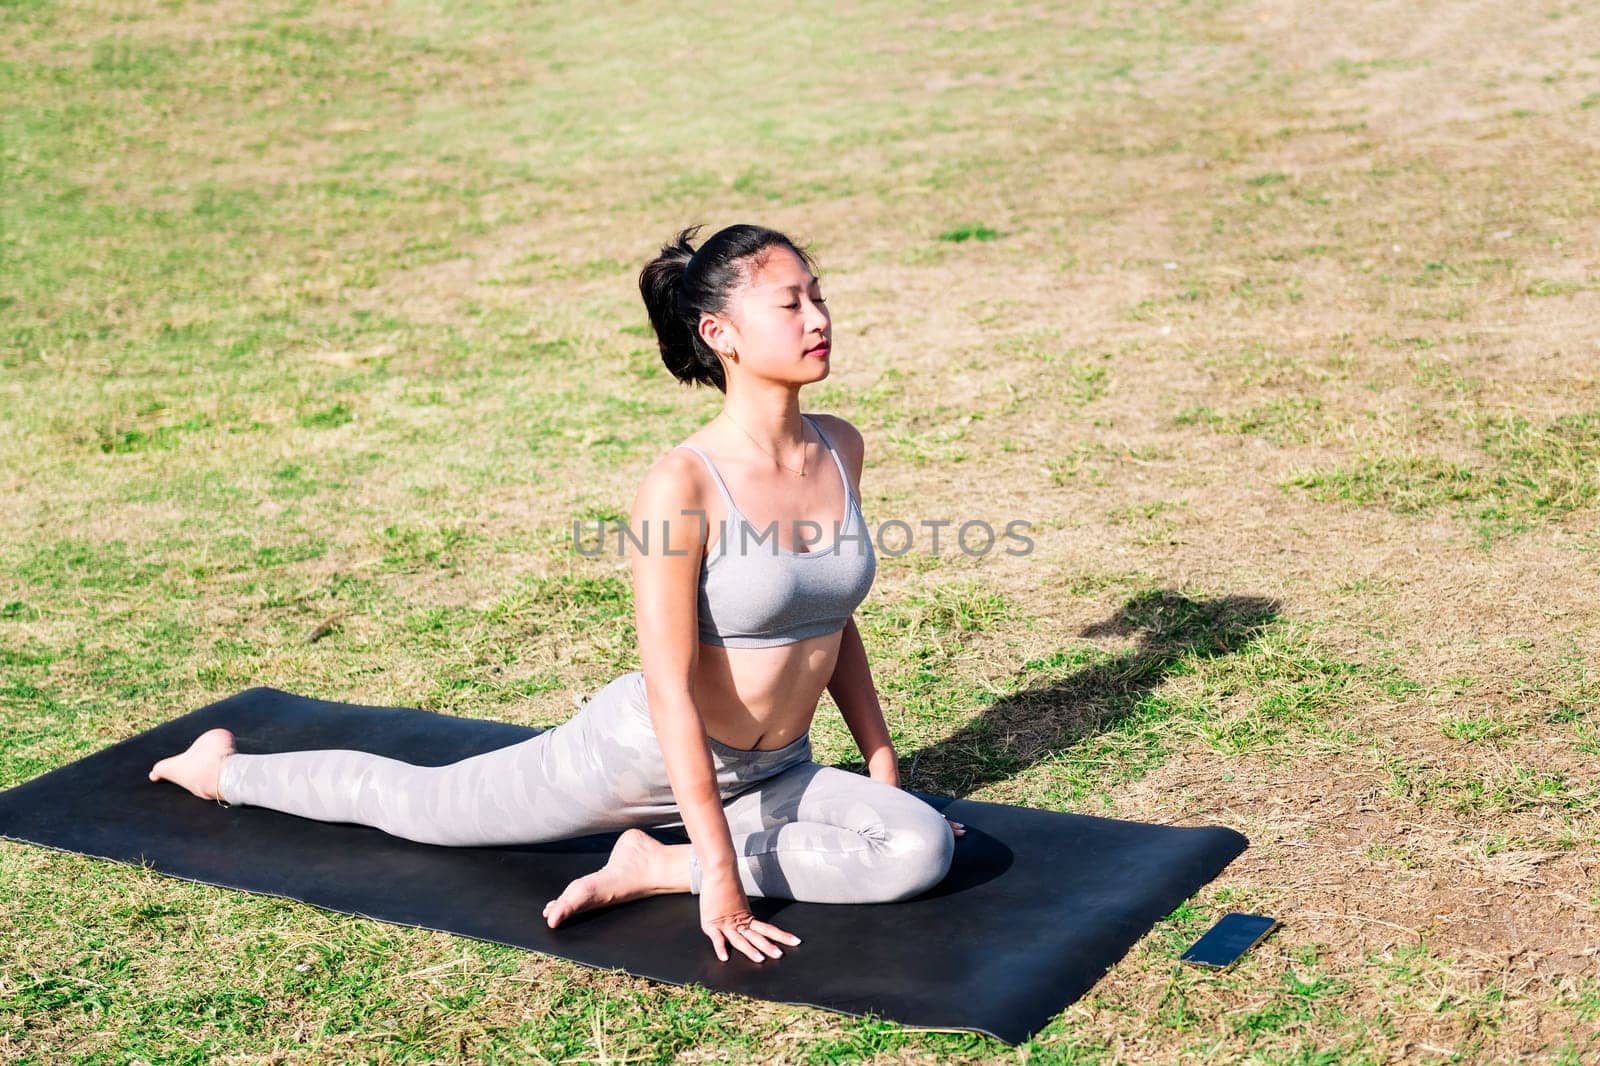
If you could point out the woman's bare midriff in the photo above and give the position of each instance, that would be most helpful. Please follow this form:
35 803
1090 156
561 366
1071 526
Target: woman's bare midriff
763 698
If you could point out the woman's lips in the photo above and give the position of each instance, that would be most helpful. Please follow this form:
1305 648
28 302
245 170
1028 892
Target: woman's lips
821 349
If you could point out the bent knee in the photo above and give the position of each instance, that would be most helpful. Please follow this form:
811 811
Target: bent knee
918 851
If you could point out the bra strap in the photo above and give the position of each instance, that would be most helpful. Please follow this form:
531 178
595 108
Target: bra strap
727 497
844 478
722 487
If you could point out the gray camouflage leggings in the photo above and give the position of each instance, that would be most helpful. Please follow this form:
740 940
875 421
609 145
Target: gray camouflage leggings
801 831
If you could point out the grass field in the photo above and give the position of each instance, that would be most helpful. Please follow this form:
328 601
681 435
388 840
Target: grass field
1281 323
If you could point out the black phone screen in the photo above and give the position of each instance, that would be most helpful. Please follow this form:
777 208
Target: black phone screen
1232 936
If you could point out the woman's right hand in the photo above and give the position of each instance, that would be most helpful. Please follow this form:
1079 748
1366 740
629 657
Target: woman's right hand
725 917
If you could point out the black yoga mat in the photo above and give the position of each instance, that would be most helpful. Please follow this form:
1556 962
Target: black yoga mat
1037 905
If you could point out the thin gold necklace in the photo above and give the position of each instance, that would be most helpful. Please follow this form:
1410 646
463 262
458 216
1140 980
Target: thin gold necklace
774 458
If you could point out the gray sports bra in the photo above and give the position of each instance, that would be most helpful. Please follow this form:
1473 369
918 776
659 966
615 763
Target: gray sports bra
764 595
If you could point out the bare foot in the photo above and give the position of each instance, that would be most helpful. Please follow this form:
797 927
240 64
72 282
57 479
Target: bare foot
199 768
639 866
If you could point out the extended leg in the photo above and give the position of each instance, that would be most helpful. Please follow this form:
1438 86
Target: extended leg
458 804
590 774
824 835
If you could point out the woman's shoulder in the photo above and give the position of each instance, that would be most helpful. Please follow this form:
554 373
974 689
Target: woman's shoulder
838 430
675 479
843 436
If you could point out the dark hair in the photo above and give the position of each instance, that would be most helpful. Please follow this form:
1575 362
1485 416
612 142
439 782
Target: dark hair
681 284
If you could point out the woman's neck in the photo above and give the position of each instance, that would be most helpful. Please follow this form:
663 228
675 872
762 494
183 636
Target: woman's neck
772 424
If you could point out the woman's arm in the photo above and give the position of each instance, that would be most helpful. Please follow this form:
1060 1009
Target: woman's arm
666 576
851 684
852 689
666 573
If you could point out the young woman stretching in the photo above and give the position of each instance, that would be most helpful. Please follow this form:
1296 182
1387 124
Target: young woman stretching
739 633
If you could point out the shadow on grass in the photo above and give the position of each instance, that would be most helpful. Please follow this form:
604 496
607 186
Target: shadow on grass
1021 730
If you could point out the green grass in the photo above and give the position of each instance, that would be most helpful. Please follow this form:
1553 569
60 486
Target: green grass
1527 473
1292 420
1508 789
970 233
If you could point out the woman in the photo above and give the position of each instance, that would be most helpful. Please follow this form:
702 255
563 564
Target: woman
739 633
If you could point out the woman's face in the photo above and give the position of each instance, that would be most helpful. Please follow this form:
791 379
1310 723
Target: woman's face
778 324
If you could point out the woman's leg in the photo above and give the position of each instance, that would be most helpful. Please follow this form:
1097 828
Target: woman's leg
803 831
825 835
582 776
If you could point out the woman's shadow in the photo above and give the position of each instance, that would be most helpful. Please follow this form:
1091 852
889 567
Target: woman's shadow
1021 730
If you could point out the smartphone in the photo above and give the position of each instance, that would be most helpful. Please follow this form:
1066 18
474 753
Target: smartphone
1232 936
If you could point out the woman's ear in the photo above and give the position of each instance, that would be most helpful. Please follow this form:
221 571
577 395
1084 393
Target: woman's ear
715 333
